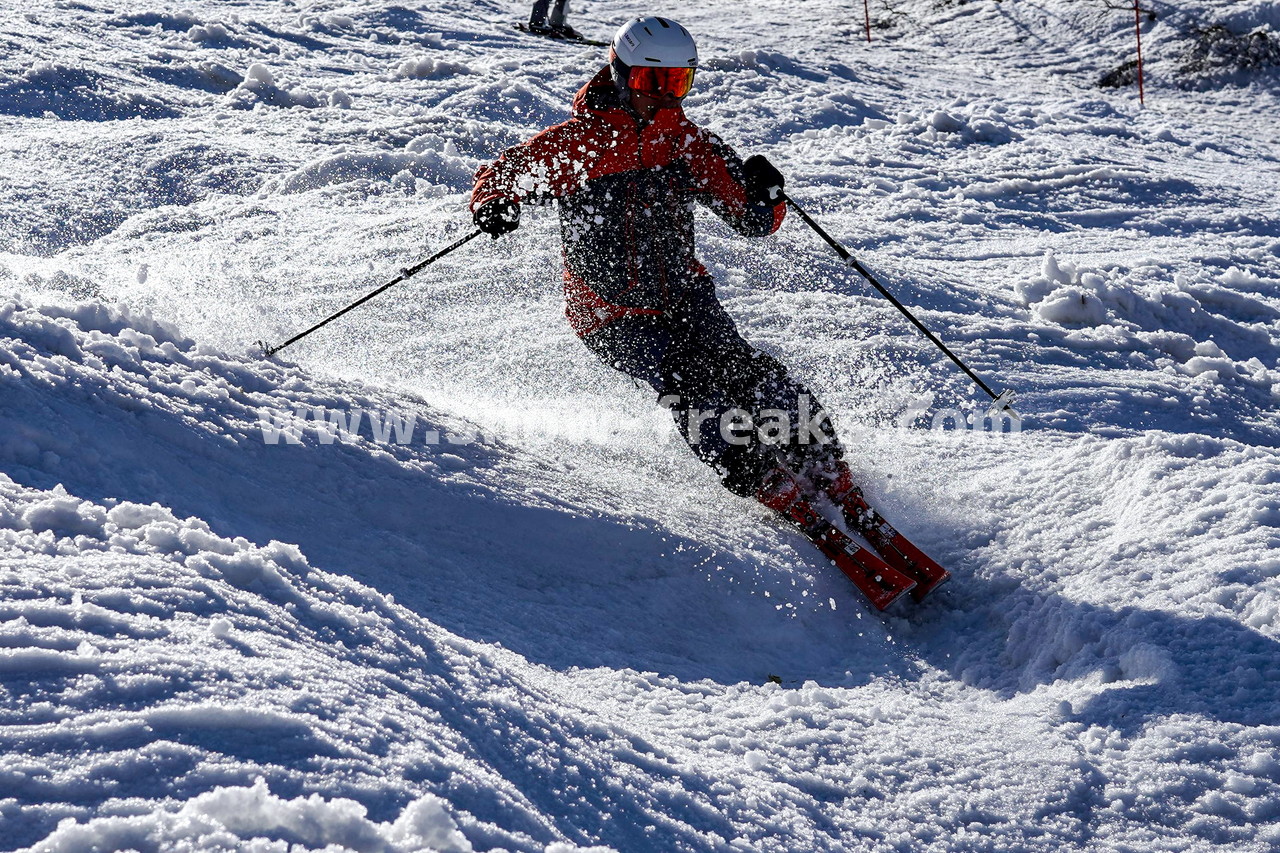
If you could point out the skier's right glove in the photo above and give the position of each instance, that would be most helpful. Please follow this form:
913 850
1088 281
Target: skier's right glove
763 181
497 216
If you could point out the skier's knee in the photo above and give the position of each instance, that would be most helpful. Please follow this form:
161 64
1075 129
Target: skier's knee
742 470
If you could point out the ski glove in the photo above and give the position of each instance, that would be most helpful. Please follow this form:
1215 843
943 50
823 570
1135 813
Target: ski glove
497 216
764 182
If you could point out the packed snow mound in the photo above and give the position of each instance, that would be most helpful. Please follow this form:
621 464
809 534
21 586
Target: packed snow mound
161 646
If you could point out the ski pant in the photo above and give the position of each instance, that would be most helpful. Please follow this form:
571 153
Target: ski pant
555 19
713 381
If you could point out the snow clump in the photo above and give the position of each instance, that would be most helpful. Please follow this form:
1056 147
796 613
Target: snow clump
53 523
252 818
425 67
259 84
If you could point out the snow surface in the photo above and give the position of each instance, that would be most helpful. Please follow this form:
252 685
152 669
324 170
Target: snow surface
233 617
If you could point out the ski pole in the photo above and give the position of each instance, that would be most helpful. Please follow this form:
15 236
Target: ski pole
999 402
405 273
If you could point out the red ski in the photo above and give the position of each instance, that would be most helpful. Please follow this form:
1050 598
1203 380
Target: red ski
879 581
896 549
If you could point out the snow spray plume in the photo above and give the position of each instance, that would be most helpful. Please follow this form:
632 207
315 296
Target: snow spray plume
999 402
405 273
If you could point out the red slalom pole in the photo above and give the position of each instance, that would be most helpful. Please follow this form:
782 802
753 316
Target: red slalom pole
1137 29
866 12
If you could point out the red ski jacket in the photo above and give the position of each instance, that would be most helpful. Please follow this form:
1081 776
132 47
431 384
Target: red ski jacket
625 194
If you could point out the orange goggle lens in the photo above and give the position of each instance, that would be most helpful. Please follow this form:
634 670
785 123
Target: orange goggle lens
675 82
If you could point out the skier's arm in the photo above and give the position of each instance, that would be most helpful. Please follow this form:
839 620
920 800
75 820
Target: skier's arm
550 164
722 183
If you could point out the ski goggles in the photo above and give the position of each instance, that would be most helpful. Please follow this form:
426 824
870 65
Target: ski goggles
657 82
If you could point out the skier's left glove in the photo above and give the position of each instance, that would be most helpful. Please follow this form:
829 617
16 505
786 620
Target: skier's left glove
764 182
497 216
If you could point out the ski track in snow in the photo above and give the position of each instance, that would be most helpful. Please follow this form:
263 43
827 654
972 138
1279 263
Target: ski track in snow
565 636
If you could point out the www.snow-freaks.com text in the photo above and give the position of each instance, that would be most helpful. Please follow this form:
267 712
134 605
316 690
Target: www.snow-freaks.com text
810 425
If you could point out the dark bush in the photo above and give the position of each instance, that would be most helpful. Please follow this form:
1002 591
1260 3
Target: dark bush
1216 50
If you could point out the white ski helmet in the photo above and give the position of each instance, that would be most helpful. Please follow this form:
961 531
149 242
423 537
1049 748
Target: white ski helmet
655 42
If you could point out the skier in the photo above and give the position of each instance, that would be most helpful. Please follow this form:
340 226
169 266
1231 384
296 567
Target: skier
625 169
552 23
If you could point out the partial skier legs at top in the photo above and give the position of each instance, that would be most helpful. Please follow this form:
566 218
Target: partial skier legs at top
548 17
